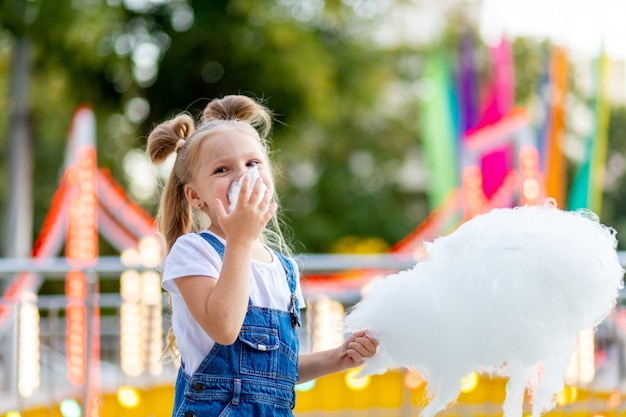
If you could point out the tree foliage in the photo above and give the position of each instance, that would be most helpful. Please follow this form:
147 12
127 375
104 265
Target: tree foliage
338 136
346 139
68 70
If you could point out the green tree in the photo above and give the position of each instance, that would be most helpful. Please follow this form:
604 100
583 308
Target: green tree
65 70
346 140
340 136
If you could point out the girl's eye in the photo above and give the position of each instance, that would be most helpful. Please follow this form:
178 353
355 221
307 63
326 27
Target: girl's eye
253 163
220 170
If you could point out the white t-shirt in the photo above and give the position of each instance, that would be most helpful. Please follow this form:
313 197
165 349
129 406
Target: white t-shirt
193 255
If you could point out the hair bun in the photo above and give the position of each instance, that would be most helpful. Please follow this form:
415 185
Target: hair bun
165 138
239 107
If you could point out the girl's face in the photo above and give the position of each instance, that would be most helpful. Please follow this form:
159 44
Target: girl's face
225 157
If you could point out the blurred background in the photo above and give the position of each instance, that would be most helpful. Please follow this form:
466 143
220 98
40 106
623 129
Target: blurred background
397 120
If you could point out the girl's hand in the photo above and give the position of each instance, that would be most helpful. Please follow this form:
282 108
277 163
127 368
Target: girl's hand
250 216
358 347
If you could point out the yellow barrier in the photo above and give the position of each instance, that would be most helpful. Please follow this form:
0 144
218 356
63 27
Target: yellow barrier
379 395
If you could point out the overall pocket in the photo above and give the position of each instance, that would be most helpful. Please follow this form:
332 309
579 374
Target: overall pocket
259 353
204 408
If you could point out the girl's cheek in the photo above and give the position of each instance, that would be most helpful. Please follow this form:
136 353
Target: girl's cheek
267 179
224 187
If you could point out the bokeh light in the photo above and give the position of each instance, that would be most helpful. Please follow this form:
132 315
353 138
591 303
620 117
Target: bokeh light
469 383
568 395
70 408
356 382
128 397
614 400
413 380
306 386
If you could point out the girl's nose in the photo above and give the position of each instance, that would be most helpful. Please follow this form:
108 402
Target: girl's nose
241 171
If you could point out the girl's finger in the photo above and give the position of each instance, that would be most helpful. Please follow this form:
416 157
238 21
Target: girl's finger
360 349
259 192
220 210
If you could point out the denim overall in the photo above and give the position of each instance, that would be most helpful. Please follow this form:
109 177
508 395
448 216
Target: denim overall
253 377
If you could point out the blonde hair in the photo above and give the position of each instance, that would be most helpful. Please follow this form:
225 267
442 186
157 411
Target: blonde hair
175 216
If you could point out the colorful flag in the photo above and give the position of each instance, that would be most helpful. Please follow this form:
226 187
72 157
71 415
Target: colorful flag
438 129
588 186
554 161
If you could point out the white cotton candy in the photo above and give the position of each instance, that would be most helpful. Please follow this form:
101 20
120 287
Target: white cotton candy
235 187
506 294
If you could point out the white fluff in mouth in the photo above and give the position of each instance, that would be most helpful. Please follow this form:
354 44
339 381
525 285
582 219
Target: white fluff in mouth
235 187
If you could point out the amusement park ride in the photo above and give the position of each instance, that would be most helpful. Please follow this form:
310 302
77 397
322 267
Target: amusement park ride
89 203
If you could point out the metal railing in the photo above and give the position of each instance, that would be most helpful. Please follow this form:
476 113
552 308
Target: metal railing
52 306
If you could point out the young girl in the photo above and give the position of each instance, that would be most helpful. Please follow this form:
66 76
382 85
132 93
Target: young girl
235 302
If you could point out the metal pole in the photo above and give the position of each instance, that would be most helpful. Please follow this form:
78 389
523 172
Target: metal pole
53 330
18 225
18 210
16 356
91 381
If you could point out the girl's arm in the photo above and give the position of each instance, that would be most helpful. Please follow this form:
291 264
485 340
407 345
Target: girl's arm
220 306
350 354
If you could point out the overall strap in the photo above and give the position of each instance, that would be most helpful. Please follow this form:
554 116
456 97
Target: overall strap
292 281
215 242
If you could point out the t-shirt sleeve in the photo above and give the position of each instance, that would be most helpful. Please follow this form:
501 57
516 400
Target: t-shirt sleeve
190 255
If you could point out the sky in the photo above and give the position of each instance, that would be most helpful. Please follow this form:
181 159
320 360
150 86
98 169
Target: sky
580 25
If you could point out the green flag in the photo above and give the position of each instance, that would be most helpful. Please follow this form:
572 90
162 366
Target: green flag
588 186
438 129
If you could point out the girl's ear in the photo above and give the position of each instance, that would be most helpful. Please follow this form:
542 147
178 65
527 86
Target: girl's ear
191 195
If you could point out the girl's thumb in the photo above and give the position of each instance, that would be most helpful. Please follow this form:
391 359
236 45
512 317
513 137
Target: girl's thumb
219 208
